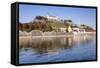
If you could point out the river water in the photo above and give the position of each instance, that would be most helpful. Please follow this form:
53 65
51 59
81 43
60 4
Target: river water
57 49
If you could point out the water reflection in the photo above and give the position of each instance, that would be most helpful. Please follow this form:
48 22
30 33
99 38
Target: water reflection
51 46
45 45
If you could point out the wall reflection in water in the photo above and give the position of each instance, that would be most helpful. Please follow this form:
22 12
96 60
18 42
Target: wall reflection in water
56 46
45 45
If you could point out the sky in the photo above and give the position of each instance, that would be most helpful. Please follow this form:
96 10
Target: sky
78 15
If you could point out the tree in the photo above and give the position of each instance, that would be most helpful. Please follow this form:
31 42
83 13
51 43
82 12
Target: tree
41 18
26 27
20 26
68 22
47 28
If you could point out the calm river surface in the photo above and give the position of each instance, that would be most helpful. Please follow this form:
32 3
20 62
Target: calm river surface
57 49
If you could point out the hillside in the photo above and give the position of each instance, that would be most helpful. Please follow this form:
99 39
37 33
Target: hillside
48 26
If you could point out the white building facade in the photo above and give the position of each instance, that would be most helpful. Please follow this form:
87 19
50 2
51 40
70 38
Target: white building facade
52 17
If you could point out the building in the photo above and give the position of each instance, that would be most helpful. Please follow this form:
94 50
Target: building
62 29
76 29
52 18
82 30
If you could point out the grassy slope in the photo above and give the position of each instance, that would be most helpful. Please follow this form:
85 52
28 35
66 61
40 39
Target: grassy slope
58 25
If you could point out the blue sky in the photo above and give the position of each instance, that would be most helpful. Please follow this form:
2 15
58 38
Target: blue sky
79 16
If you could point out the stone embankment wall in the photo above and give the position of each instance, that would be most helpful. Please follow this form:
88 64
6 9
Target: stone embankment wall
40 33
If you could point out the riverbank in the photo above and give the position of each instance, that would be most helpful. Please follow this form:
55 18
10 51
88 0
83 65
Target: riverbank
67 35
45 36
37 33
